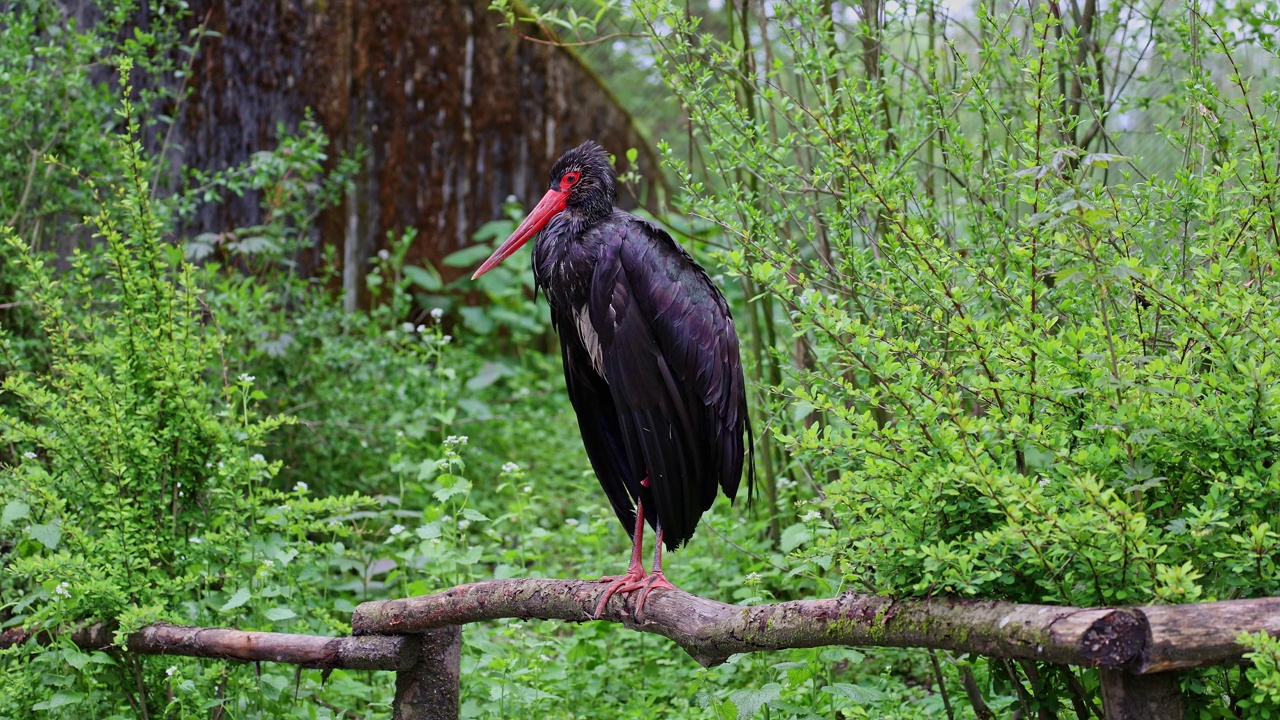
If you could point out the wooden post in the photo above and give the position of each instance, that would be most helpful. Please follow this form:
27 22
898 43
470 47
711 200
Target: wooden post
429 689
1141 697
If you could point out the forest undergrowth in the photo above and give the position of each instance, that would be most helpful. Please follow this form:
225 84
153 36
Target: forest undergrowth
1002 347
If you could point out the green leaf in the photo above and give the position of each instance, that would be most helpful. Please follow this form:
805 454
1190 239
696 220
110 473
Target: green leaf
494 230
467 257
859 694
276 682
1100 160
75 658
240 597
749 701
489 374
632 155
47 535
427 278
795 536
255 245
841 654
477 319
458 487
428 468
15 510
276 614
59 699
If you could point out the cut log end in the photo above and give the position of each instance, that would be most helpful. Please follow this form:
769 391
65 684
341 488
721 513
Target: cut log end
1115 640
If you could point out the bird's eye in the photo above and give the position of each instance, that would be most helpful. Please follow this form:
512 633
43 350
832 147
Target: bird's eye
569 180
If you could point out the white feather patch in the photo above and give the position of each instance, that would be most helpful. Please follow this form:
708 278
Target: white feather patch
587 333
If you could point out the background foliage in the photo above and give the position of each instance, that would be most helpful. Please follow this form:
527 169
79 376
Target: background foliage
1005 278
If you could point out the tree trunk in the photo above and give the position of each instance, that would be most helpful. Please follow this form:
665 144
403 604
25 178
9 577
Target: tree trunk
454 112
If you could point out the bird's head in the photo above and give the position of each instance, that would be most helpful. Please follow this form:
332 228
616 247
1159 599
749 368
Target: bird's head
582 182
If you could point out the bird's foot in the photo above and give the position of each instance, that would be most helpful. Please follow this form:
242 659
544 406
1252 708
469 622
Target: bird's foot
632 580
656 581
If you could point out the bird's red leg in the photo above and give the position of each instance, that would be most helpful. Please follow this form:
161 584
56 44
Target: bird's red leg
656 580
635 571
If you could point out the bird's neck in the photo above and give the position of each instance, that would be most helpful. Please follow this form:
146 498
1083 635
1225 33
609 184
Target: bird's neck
564 259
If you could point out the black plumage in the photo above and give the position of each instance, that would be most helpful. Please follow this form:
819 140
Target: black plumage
650 353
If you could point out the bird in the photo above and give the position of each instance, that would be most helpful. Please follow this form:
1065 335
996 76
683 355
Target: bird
651 361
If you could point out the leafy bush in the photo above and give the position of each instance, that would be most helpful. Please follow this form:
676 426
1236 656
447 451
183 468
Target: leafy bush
1034 358
138 495
1010 349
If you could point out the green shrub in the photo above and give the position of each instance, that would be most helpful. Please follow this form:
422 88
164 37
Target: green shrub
140 493
1027 354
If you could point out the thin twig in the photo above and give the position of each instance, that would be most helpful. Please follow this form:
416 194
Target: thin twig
584 43
942 684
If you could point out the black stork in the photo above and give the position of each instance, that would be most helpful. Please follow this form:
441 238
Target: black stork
650 359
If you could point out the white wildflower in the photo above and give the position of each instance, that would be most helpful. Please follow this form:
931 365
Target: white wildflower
384 254
811 515
455 440
437 313
62 590
258 458
1044 482
571 522
421 328
172 669
268 563
397 529
753 577
510 467
30 455
194 540
246 378
464 524
407 327
528 488
446 519
446 339
300 487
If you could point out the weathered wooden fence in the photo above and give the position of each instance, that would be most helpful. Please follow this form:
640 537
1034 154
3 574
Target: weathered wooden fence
1138 649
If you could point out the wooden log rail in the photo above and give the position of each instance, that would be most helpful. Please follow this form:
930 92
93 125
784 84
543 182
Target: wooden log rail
1137 648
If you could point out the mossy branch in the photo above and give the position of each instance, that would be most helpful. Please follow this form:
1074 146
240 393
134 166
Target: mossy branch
711 631
1138 640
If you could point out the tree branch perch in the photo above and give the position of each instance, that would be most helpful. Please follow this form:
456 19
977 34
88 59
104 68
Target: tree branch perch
1138 641
310 651
711 631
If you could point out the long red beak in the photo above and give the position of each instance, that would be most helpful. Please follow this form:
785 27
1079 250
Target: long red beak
548 207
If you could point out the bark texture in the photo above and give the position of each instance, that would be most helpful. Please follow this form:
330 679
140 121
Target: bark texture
430 689
711 631
1141 697
1184 636
310 651
455 112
